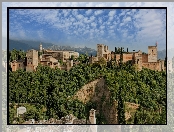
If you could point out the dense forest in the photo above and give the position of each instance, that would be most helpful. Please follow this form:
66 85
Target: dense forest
51 91
145 87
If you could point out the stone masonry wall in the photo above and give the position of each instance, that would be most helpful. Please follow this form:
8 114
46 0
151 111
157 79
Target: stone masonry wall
152 54
144 58
154 65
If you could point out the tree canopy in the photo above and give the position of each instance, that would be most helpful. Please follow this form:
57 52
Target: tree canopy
53 89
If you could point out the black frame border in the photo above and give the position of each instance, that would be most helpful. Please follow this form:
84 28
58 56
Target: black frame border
8 8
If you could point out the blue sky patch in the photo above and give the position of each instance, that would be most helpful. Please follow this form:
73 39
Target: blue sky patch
135 29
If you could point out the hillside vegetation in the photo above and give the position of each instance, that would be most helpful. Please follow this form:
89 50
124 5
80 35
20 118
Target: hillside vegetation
52 90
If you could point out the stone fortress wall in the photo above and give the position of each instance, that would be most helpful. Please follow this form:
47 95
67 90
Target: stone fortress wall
138 58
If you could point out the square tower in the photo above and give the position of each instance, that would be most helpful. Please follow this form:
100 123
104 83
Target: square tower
32 60
152 53
138 60
103 51
100 49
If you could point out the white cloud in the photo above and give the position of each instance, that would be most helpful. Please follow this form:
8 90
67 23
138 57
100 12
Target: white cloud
100 20
98 12
111 31
108 23
93 24
40 34
88 12
123 12
115 23
102 27
79 17
92 18
72 19
112 13
121 24
66 12
102 32
111 27
127 19
52 17
130 36
75 12
148 25
86 20
22 33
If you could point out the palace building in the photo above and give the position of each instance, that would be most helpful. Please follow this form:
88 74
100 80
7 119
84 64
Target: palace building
138 58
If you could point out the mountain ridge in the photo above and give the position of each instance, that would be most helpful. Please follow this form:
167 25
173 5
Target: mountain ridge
30 44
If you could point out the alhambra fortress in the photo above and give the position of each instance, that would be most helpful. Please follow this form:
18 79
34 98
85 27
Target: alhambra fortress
51 58
92 91
48 58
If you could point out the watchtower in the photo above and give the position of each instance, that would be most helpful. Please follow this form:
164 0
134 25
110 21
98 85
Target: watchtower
40 47
32 60
152 53
100 48
103 51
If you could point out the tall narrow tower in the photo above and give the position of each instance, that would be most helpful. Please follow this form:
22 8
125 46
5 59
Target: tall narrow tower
40 47
100 49
152 53
32 60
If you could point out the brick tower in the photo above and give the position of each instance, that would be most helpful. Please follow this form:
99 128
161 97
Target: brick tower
32 60
152 53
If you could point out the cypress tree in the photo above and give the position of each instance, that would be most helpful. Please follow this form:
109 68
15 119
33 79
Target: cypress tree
115 49
121 56
121 110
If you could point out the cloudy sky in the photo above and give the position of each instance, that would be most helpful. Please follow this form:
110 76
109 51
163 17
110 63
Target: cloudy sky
135 29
